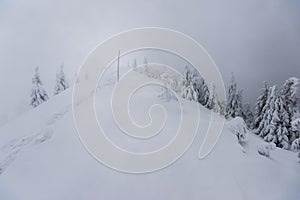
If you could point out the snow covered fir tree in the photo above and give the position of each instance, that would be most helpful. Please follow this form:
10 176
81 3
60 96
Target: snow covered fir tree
38 94
260 104
234 102
188 90
61 82
275 114
194 87
248 115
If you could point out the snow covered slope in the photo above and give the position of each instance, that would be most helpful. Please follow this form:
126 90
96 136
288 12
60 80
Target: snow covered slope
42 158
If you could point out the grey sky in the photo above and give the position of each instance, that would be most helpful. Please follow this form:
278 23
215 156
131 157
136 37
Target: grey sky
257 40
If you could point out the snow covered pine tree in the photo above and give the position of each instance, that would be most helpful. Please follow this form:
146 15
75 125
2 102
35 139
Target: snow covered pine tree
239 100
38 94
213 102
248 116
276 117
61 82
200 87
261 102
277 130
232 102
267 112
288 94
188 91
194 87
296 146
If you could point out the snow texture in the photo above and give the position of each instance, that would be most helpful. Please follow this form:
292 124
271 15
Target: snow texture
42 158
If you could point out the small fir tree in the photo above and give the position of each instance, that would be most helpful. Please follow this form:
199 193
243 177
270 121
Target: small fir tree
61 82
38 94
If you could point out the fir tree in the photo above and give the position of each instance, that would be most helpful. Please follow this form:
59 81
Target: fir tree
248 116
296 146
261 102
232 103
213 103
277 129
188 91
211 100
199 86
38 94
239 100
296 123
222 106
288 94
61 82
267 112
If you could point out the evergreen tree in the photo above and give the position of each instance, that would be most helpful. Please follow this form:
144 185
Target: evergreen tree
296 146
261 102
296 122
200 87
239 100
222 106
288 94
267 112
188 91
296 125
61 82
277 129
248 116
213 102
275 112
38 94
232 103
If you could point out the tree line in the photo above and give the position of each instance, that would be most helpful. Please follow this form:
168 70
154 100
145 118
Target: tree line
277 114
276 117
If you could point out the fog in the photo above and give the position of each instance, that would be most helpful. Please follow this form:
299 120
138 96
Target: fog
256 40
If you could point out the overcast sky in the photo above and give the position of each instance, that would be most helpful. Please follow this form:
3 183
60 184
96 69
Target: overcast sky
257 40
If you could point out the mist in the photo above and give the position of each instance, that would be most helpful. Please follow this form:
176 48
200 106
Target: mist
256 40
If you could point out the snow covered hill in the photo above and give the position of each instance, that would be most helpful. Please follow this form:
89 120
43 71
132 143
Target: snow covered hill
42 158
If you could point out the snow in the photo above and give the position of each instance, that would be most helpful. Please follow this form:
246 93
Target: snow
238 127
41 158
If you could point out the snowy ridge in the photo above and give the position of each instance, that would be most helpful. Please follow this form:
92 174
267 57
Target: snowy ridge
43 159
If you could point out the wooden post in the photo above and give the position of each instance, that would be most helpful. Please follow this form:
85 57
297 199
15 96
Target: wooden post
118 67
